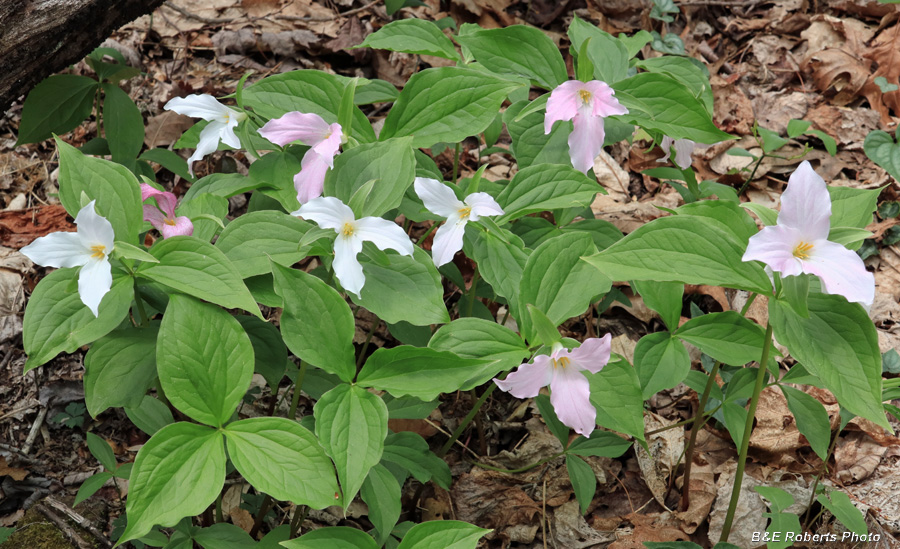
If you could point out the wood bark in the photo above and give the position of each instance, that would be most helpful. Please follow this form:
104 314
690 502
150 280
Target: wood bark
42 37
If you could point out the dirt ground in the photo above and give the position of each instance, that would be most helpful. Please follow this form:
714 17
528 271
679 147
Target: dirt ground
770 62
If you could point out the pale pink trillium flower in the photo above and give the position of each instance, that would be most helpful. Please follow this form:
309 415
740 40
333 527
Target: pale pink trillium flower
88 248
570 391
684 148
163 217
586 104
799 243
322 138
222 122
440 199
330 213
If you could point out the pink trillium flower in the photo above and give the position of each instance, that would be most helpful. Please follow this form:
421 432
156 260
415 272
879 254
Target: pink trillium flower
586 104
323 139
88 248
799 243
684 148
163 217
570 391
330 213
222 122
441 200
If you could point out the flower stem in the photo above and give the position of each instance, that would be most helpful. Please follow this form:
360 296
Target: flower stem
430 230
745 440
139 305
297 520
466 421
472 289
521 469
295 398
695 429
365 347
812 494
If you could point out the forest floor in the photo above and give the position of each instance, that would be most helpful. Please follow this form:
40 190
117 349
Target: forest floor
770 62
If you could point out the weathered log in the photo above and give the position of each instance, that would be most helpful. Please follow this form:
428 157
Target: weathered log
41 37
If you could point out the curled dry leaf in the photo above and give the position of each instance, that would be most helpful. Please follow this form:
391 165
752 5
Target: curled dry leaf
856 457
665 453
702 492
748 516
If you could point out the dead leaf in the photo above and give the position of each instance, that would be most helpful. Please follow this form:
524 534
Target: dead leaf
748 516
18 228
165 129
856 457
13 472
572 531
659 464
732 110
702 493
493 500
776 436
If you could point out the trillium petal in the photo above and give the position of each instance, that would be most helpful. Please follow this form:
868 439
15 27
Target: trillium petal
328 212
603 101
180 226
147 191
526 382
570 394
154 217
57 250
562 104
448 240
482 204
593 354
310 180
94 229
331 144
227 134
842 272
94 280
774 246
806 204
198 106
384 234
586 141
684 148
208 143
346 267
308 128
666 146
438 198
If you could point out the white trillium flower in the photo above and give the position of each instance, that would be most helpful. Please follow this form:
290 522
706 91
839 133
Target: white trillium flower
89 248
441 200
330 213
222 122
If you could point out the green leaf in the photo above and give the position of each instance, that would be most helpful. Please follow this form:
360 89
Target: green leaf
442 534
130 251
273 175
57 321
446 104
206 211
768 216
838 343
852 207
501 259
306 91
727 337
664 298
251 240
661 362
879 147
351 424
198 268
123 124
584 482
407 289
481 339
57 105
812 419
223 536
279 457
518 50
545 331
780 526
150 415
685 70
178 473
659 102
119 368
420 372
410 452
560 431
269 352
771 141
101 450
225 185
682 248
795 128
729 214
530 144
601 444
557 282
115 189
608 54
546 187
381 492
333 537
204 358
90 486
375 91
779 500
391 164
168 160
795 291
415 36
317 323
616 394
843 509
408 407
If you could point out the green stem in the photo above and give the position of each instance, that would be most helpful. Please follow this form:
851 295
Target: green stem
890 383
695 429
365 347
219 517
295 398
753 173
263 509
472 289
466 421
746 306
139 304
521 469
745 440
682 423
422 239
456 164
812 494
298 519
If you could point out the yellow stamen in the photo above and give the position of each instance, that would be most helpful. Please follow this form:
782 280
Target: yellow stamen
585 96
801 251
560 362
348 229
465 212
170 222
99 251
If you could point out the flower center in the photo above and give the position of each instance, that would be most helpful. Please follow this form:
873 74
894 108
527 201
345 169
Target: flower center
585 96
348 229
465 212
99 251
801 251
170 222
561 362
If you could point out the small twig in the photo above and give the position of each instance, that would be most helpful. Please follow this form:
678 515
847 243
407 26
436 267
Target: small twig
322 18
544 514
79 520
17 410
64 527
35 429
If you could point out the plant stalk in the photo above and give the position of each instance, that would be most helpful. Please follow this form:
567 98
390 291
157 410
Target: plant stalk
695 429
139 305
745 440
295 398
456 164
466 421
